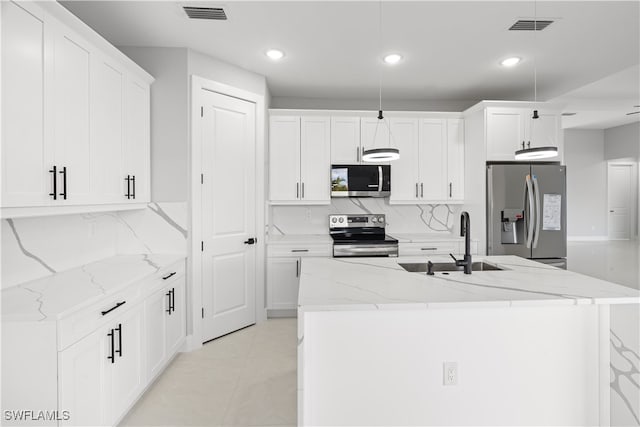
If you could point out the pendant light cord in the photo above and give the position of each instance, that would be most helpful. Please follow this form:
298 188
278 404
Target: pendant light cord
535 62
380 46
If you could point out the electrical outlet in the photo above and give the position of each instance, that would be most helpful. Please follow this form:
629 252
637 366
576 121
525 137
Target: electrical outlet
450 373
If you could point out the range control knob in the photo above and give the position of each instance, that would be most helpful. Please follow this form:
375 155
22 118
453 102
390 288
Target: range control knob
334 220
374 219
380 219
341 219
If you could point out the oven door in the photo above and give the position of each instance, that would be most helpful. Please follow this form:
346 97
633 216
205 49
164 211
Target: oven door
360 180
365 250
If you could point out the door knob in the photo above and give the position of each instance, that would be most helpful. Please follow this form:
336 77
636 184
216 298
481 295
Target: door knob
251 241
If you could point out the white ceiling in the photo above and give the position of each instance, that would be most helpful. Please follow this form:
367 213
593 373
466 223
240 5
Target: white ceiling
452 49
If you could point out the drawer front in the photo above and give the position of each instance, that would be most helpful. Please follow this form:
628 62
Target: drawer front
80 324
429 248
305 250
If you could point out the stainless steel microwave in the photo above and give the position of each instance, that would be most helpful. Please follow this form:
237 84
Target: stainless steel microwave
360 180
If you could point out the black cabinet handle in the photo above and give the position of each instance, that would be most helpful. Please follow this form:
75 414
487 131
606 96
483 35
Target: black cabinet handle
297 268
128 179
303 190
169 275
113 308
450 189
133 179
54 174
64 182
173 299
422 189
297 190
119 329
250 241
168 310
112 356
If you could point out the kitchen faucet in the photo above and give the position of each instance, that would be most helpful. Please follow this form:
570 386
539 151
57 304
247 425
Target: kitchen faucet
465 231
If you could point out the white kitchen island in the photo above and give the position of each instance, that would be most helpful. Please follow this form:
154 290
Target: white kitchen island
529 345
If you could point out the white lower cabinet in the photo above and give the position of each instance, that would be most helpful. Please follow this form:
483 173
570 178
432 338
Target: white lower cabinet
107 353
284 265
283 280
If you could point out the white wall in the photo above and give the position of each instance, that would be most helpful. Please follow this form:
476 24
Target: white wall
622 142
586 183
169 119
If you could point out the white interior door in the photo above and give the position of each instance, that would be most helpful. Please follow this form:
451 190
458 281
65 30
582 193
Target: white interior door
621 195
228 214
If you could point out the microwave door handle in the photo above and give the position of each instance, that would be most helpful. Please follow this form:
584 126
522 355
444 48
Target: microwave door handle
529 211
379 178
536 191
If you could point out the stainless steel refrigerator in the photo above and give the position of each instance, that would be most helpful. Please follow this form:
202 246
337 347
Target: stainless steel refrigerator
526 211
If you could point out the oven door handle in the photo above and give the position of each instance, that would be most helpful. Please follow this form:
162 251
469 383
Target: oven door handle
379 178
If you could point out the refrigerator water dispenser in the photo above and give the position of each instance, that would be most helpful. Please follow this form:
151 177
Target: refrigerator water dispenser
512 230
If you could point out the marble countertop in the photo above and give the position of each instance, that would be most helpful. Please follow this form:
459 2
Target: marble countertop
335 284
49 298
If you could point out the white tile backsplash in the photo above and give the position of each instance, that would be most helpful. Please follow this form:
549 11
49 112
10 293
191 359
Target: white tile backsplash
37 247
413 219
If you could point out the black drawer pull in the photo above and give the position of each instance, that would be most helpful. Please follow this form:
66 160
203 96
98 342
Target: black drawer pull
299 250
112 356
428 249
119 329
54 172
169 275
113 308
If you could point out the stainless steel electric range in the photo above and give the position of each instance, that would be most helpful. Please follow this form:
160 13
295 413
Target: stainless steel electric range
361 235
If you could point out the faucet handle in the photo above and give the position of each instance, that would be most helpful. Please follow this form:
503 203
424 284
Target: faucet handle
454 258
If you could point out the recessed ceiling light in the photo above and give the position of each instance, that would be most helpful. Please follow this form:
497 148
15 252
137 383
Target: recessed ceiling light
392 58
510 62
275 54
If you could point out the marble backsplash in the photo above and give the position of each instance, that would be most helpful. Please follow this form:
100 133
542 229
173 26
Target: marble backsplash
37 247
414 219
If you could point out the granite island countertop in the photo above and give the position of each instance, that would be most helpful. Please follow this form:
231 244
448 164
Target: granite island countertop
51 297
336 284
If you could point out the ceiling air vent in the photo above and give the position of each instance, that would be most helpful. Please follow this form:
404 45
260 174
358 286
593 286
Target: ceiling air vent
530 25
205 13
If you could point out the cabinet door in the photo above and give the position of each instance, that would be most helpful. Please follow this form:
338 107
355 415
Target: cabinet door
455 159
71 101
127 376
505 132
107 102
404 172
155 317
176 326
283 277
84 380
545 131
345 140
26 158
315 160
433 159
374 133
284 159
136 138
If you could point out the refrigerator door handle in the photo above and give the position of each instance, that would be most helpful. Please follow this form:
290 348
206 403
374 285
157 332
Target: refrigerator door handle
529 208
536 190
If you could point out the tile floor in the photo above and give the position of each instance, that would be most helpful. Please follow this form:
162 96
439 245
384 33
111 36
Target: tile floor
248 378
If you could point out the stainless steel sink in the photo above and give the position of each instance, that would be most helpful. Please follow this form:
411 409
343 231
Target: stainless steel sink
421 267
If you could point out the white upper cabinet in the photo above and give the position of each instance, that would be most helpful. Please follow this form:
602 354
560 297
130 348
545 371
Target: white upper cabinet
405 172
76 114
284 158
431 164
315 159
137 140
26 154
455 160
507 129
299 160
345 140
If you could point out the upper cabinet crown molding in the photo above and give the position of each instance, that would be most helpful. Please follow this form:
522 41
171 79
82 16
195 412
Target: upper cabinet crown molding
76 118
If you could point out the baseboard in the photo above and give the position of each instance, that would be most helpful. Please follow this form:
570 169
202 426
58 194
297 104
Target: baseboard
587 238
275 313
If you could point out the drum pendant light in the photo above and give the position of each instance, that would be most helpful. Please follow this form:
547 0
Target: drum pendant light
535 152
386 154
